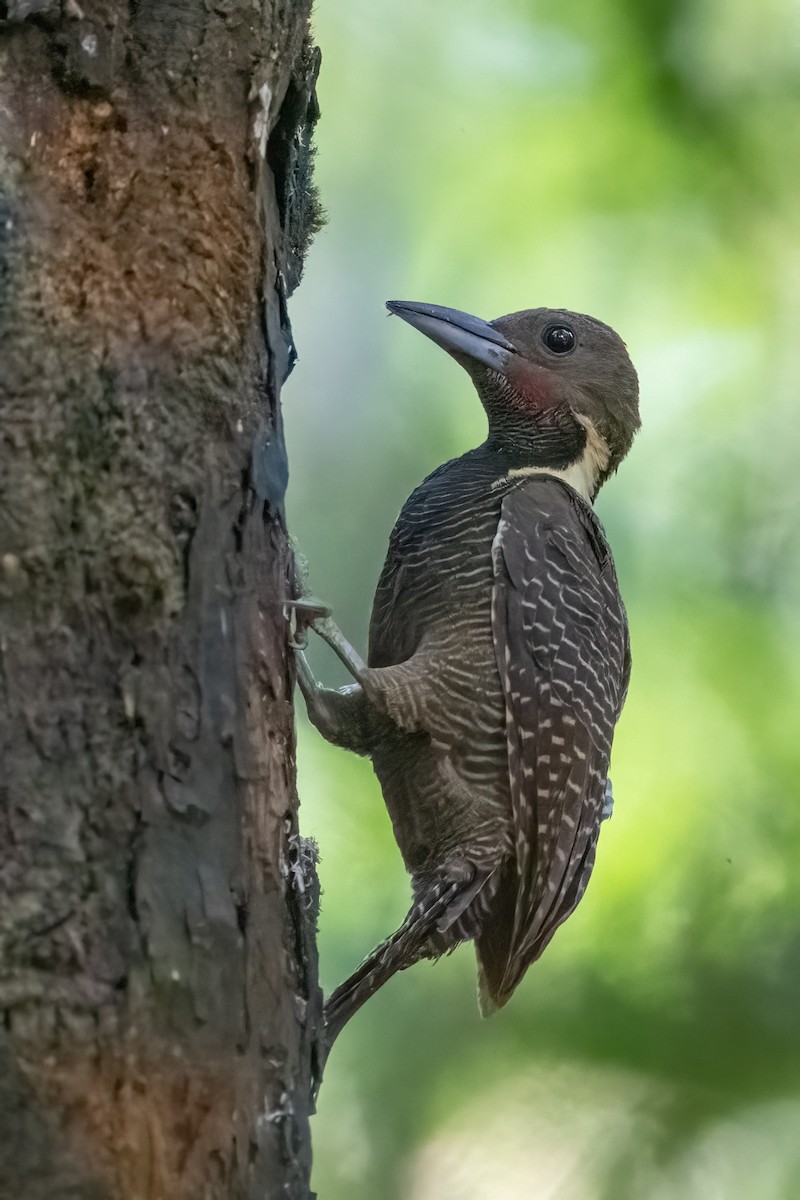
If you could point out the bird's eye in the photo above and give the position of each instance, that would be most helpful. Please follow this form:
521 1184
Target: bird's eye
559 338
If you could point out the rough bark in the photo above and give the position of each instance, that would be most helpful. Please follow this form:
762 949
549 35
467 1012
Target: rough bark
157 966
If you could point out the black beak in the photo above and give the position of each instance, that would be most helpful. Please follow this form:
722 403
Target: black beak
458 333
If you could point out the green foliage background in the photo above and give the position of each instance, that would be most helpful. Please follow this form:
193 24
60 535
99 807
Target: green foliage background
638 161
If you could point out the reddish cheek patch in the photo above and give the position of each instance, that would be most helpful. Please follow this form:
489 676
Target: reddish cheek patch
535 387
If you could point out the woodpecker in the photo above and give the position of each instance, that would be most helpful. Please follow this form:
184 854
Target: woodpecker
499 655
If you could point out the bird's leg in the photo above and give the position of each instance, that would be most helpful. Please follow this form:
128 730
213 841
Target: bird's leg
341 715
305 679
329 631
385 687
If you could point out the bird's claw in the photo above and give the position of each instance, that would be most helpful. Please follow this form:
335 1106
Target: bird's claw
301 613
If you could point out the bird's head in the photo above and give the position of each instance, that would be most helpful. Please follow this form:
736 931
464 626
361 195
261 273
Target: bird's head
558 387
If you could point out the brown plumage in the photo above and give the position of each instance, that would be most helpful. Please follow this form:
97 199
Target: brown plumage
498 660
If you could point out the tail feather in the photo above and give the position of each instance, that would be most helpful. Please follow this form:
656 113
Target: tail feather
413 941
493 944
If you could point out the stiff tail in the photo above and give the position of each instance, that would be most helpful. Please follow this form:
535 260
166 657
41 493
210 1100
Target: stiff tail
414 940
493 943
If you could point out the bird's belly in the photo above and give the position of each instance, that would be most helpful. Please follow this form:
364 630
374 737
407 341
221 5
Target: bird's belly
447 787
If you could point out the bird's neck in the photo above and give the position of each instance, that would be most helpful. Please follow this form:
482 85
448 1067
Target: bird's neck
553 442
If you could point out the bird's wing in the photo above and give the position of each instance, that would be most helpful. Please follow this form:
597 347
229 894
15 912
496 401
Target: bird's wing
561 641
397 624
425 549
394 633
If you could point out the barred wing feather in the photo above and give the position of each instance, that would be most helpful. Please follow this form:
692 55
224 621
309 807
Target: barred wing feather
562 649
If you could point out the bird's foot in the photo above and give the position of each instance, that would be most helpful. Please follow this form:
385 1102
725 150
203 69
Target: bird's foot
302 613
340 715
307 612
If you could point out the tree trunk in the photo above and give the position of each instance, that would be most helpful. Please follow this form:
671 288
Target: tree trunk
158 975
